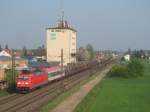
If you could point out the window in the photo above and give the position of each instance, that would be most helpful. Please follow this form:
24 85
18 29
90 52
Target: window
52 30
55 73
23 77
53 36
73 43
37 71
73 54
73 37
58 30
25 72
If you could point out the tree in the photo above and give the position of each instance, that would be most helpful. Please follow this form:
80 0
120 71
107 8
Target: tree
43 47
6 46
129 51
135 68
10 80
39 48
90 49
138 54
83 54
0 48
24 51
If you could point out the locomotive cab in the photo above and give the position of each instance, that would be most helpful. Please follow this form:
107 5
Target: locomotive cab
30 79
23 81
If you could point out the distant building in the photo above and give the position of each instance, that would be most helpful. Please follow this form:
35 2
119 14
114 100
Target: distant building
39 53
5 53
127 57
6 63
61 37
8 53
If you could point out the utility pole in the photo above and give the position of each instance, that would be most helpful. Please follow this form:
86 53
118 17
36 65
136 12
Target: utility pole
62 60
13 68
62 69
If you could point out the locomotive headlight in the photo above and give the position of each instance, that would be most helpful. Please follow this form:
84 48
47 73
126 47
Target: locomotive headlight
26 83
18 82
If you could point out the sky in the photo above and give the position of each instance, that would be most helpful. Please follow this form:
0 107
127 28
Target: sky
105 24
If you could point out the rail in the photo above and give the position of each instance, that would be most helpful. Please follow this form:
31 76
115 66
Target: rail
33 101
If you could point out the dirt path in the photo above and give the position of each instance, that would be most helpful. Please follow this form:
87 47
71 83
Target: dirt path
72 101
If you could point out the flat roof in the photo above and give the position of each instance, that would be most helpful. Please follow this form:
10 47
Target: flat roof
62 28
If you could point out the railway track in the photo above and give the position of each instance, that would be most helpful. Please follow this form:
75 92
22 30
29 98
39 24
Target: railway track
10 98
15 103
35 107
32 102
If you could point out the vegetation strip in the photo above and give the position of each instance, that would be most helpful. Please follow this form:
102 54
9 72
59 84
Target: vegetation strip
52 104
69 104
119 94
3 93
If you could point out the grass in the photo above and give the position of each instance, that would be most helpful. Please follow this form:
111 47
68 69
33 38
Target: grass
63 96
119 95
3 93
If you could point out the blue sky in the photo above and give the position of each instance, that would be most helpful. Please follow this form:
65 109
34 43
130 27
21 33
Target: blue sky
106 24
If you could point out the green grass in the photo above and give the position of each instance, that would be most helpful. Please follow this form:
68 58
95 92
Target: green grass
3 93
119 95
63 96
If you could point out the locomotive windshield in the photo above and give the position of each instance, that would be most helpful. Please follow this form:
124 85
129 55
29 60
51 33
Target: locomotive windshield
26 72
37 71
23 77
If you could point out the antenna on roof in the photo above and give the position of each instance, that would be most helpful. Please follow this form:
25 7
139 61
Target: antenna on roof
61 16
61 9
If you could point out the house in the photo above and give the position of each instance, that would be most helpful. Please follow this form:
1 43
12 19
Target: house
39 54
5 53
6 63
127 57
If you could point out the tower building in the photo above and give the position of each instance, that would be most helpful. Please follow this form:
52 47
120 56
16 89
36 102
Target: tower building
61 38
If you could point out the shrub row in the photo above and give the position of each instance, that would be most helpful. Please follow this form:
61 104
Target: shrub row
133 68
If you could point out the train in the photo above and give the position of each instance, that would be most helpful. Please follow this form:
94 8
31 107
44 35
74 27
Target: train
32 78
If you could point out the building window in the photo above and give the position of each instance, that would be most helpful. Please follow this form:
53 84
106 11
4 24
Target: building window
73 43
53 36
73 54
73 38
52 30
58 30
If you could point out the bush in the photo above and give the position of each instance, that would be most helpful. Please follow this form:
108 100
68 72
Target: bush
10 80
132 69
118 71
135 68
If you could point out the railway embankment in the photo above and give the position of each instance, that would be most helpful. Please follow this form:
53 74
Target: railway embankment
69 104
33 101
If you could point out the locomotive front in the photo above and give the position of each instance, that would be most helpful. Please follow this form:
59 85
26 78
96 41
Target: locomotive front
23 81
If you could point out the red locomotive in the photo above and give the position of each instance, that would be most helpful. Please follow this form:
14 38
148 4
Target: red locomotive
36 77
30 79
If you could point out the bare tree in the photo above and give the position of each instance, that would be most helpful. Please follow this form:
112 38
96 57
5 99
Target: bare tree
1 48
